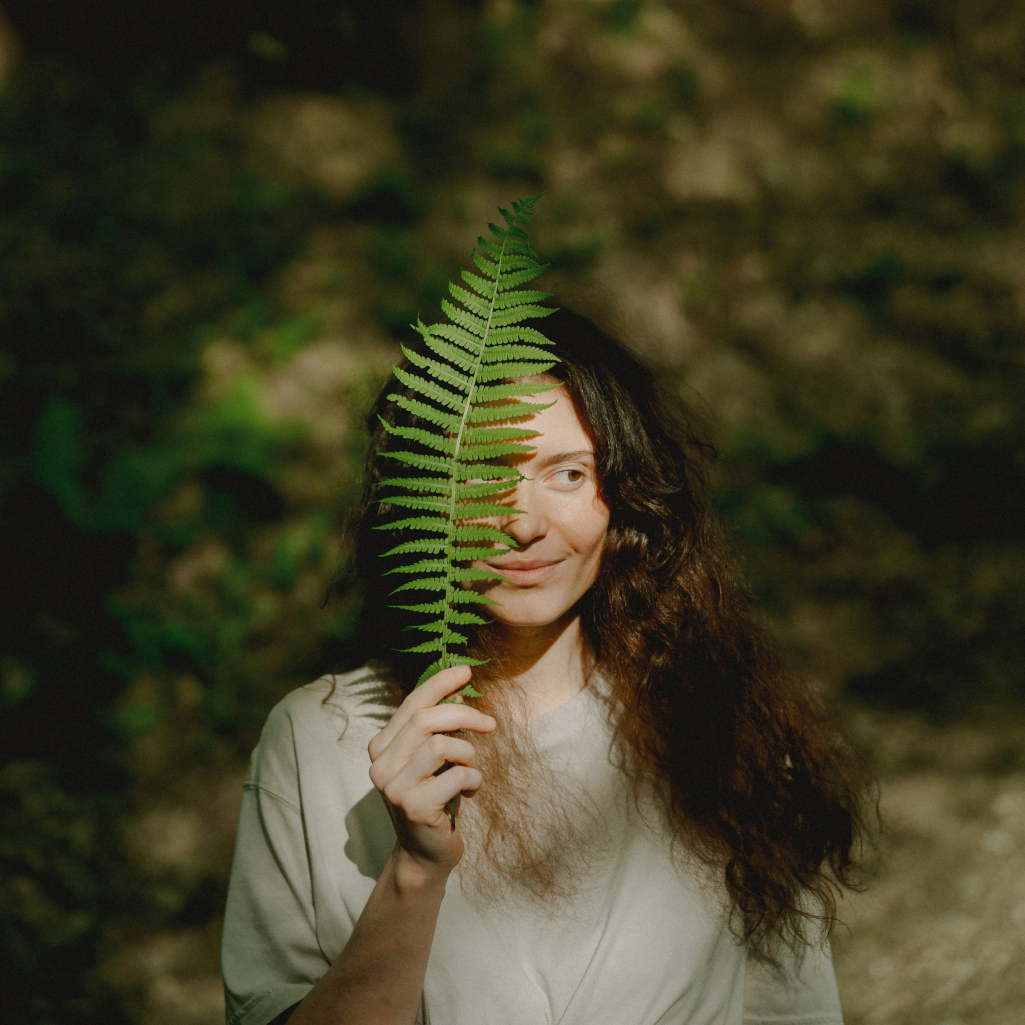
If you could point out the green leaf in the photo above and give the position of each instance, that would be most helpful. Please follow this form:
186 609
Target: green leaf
441 487
470 301
437 524
423 566
431 389
436 644
511 298
483 340
512 351
484 287
472 323
411 502
468 618
452 660
512 411
486 471
518 333
475 435
481 490
420 461
468 554
466 573
484 265
451 352
426 607
420 545
508 391
484 510
439 442
504 370
462 597
438 370
435 416
493 450
424 584
517 313
475 532
468 341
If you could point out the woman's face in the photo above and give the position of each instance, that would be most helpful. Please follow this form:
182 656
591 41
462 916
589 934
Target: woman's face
562 524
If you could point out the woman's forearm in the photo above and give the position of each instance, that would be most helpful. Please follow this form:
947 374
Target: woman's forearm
378 977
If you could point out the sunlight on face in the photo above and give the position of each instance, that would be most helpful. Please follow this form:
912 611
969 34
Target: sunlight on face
562 526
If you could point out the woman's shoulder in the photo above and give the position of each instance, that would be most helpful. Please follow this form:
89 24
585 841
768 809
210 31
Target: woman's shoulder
356 699
334 717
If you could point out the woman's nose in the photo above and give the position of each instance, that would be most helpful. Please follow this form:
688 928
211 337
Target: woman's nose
529 523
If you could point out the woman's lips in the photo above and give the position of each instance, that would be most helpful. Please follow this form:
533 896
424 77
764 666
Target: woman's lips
527 572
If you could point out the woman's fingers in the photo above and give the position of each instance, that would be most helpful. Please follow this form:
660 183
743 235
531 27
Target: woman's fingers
428 802
423 727
439 686
432 755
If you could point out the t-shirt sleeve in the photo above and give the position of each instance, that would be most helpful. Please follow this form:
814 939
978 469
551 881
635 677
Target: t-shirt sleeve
792 989
270 956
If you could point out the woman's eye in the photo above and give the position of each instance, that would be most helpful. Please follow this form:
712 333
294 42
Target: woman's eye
569 476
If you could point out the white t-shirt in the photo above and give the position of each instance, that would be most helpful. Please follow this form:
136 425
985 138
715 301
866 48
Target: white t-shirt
645 943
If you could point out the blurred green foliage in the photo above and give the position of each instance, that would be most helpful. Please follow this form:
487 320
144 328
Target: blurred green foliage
212 229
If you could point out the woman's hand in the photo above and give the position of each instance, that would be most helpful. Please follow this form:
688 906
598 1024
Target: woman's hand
405 757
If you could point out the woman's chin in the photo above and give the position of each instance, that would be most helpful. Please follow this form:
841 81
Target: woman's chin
529 616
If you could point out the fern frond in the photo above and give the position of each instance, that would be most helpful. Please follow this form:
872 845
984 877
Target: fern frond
482 510
512 411
465 552
493 449
430 389
460 478
484 265
508 391
454 333
500 370
515 314
419 461
436 524
423 584
484 287
411 502
472 302
463 360
438 486
436 369
429 413
424 545
475 490
472 323
481 533
475 435
504 299
519 333
486 471
423 566
439 442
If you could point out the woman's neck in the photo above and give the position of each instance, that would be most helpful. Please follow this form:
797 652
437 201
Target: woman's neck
548 664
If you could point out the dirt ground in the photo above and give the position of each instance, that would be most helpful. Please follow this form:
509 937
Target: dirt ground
937 938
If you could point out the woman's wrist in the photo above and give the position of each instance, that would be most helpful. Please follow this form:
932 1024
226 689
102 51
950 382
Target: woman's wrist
415 874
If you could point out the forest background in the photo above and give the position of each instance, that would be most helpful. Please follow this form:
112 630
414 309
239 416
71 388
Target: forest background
216 223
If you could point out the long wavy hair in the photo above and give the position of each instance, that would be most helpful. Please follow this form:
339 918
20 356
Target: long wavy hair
753 776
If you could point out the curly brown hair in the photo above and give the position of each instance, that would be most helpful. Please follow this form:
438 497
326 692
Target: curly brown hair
753 776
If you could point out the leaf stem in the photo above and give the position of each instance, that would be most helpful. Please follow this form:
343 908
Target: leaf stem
455 465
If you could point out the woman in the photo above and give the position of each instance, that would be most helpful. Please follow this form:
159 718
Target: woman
660 818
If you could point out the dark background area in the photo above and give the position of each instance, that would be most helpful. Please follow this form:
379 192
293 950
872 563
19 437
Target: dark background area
217 221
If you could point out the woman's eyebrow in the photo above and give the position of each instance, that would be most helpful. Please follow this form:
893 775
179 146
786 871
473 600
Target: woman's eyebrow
560 457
